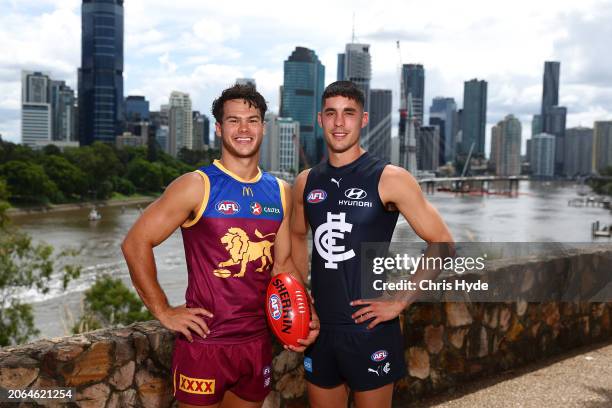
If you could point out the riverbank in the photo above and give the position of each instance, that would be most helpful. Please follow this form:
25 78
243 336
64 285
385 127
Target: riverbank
19 211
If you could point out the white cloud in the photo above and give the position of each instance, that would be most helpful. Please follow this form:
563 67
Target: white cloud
201 47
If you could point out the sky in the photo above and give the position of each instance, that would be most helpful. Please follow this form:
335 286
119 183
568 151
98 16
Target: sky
201 47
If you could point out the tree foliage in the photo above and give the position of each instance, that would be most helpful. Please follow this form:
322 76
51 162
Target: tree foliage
91 172
25 265
603 186
109 303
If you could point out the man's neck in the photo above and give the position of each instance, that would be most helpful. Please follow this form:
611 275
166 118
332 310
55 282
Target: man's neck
346 157
244 167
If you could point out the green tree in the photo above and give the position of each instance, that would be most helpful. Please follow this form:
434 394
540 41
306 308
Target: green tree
147 177
603 186
69 179
24 265
52 150
168 173
110 303
28 182
123 186
99 163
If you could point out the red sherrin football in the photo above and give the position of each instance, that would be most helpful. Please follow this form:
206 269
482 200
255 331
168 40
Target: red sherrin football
288 309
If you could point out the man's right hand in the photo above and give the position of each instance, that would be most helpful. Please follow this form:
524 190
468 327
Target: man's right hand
184 320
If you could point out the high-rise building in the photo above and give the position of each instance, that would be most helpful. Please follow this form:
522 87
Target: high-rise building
474 117
441 125
407 135
136 108
280 146
550 88
36 116
602 145
303 84
101 73
413 83
201 129
379 141
529 148
446 110
64 115
552 115
554 122
536 125
543 152
180 122
506 146
246 81
496 135
161 129
578 151
428 144
356 63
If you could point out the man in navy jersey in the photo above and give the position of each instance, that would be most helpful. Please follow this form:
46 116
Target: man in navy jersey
349 199
235 227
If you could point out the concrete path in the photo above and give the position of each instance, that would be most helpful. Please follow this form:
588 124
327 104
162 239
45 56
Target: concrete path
582 379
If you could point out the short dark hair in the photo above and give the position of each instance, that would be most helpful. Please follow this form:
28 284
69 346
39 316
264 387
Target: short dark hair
238 91
347 89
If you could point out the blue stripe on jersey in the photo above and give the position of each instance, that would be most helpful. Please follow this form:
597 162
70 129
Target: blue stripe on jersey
230 198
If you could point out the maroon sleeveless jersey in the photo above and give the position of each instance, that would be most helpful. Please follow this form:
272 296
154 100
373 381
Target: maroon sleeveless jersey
229 250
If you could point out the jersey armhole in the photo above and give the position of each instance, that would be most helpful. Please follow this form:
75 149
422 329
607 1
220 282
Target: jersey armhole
204 200
282 195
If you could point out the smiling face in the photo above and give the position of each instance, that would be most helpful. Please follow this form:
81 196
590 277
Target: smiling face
342 119
241 129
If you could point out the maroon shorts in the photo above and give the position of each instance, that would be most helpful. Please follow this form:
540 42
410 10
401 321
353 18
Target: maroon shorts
202 372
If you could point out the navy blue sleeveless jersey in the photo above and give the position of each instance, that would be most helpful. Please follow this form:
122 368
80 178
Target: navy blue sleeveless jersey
344 210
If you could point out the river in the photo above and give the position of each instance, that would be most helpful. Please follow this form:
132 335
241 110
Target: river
540 213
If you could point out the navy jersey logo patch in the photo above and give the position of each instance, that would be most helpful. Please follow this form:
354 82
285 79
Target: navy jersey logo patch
316 196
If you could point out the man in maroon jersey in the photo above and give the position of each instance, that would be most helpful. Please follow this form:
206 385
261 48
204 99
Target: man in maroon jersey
234 219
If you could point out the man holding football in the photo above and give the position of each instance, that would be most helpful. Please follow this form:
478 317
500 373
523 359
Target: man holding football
233 217
349 199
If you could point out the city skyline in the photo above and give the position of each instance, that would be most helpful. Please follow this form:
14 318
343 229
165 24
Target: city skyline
170 48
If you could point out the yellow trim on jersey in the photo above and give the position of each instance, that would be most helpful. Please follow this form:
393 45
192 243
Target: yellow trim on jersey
174 383
237 177
204 200
282 195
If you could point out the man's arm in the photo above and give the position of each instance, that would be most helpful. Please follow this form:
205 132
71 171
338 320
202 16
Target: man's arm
180 202
299 227
282 243
399 190
283 263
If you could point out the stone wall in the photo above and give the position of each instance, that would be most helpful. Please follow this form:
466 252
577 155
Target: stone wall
446 343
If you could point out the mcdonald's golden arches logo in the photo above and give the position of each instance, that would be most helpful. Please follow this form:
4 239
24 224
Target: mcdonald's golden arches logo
247 191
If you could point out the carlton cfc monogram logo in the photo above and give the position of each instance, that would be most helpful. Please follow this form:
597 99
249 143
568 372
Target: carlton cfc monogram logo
325 240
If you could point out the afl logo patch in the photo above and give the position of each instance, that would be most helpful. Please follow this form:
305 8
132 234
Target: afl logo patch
355 193
316 196
276 308
379 356
227 207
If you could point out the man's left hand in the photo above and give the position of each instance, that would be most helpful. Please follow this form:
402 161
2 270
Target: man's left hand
380 311
314 326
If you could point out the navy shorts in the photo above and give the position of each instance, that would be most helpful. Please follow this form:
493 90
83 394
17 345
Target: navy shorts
364 360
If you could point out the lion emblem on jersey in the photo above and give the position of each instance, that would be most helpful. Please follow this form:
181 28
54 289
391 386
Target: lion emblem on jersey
243 250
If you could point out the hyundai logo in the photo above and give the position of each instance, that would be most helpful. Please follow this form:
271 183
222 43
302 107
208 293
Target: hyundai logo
355 194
